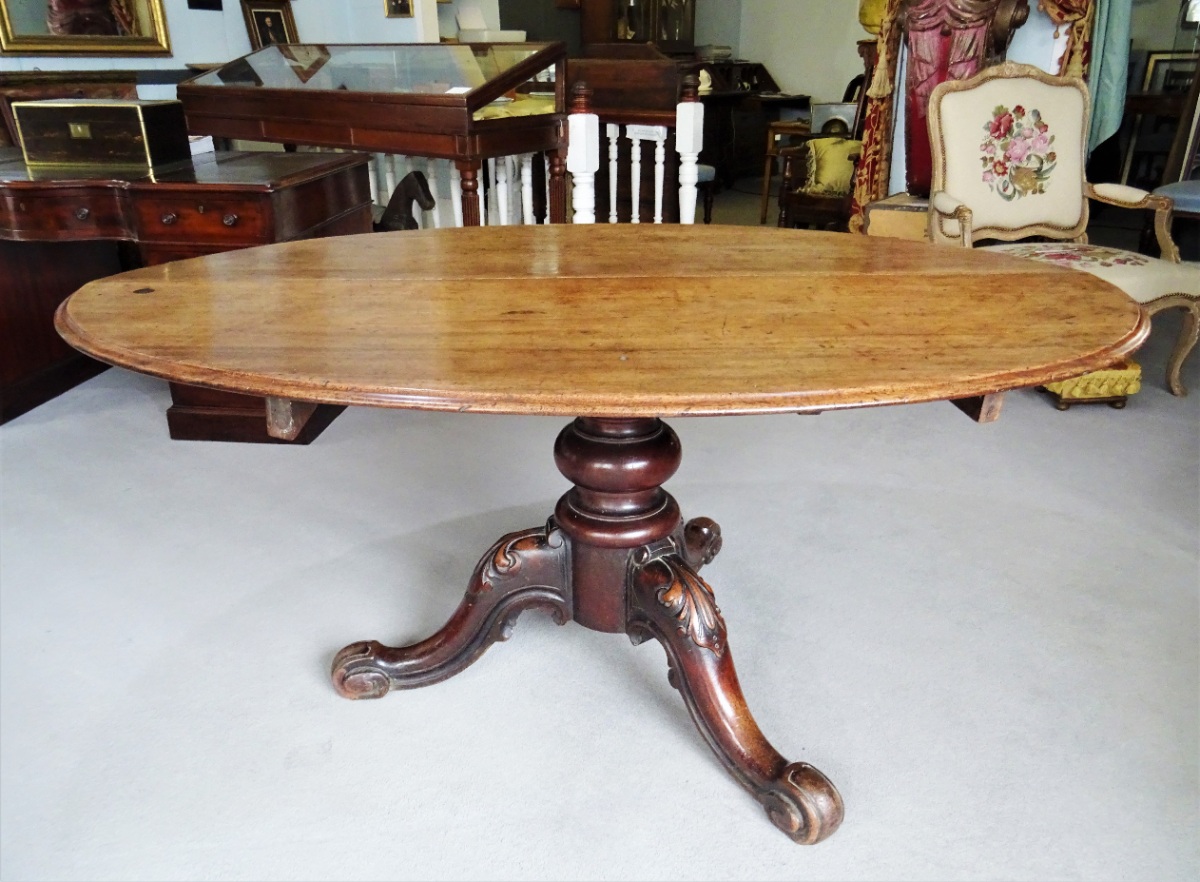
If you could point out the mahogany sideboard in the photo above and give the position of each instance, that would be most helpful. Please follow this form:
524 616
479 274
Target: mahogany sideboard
60 230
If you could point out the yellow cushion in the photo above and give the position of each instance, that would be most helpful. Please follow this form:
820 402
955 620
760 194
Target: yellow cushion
870 14
1123 378
829 167
523 105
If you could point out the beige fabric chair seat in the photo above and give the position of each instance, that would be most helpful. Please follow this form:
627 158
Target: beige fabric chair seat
1155 284
1143 278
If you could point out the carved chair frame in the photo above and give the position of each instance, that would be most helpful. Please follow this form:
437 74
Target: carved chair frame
1007 70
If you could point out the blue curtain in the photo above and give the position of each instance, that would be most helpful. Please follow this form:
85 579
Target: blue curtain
1108 70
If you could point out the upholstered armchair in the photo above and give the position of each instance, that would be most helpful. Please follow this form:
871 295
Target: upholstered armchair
1008 164
817 183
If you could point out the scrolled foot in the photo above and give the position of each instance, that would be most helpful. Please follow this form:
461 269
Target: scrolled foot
521 571
803 804
357 672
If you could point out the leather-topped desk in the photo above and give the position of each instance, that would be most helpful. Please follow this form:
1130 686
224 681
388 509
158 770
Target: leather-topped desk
59 230
559 320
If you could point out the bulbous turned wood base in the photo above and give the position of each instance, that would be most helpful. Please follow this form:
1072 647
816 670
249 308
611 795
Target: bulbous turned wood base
616 557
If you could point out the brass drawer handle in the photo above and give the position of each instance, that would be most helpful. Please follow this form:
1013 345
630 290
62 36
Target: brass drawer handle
169 218
82 213
230 219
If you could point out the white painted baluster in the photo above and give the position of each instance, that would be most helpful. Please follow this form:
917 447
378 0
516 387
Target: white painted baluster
389 175
382 193
614 135
637 134
583 155
514 189
487 213
635 176
456 195
689 138
546 185
431 175
527 189
500 168
660 165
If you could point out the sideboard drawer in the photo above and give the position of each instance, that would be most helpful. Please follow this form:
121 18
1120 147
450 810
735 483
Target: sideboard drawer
63 214
221 218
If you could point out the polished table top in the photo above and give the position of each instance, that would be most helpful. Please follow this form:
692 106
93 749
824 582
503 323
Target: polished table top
606 320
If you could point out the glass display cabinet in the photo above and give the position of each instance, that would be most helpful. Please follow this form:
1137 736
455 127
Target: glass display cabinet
466 103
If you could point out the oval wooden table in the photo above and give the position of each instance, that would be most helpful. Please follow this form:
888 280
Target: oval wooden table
617 326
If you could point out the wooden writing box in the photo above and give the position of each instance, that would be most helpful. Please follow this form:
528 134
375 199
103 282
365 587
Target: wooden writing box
102 132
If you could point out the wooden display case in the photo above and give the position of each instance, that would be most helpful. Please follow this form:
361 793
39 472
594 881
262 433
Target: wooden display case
464 102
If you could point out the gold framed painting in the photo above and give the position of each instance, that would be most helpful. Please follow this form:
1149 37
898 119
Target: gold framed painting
83 27
398 8
269 22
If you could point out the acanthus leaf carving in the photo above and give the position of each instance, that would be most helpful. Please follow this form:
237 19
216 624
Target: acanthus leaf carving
690 601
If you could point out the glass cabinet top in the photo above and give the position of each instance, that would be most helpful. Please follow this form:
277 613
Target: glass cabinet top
412 69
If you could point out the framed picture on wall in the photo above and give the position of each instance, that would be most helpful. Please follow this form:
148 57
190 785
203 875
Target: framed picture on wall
1169 72
1167 77
398 8
269 22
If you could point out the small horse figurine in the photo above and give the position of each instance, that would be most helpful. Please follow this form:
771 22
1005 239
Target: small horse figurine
399 215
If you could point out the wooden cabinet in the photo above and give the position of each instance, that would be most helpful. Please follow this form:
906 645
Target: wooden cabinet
668 24
59 232
743 101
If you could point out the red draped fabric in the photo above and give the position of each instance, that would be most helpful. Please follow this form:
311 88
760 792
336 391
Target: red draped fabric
1077 16
874 168
946 40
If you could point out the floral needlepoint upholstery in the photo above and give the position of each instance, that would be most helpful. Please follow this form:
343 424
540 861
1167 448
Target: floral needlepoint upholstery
1025 179
1016 152
1077 256
1142 278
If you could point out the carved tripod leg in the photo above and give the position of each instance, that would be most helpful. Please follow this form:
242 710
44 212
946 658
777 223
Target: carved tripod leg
669 601
522 570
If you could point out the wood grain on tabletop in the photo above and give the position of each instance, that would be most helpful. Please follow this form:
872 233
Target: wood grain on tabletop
606 320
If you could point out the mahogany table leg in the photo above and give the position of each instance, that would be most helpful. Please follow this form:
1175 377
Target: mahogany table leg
522 570
634 569
670 602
